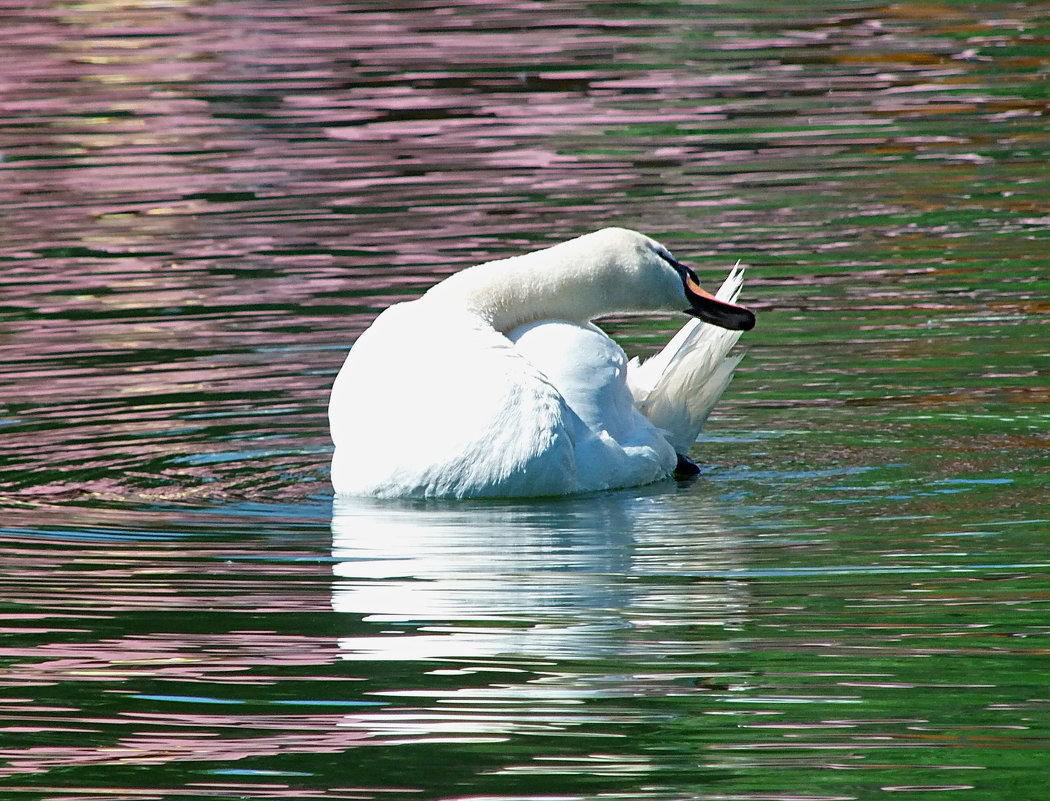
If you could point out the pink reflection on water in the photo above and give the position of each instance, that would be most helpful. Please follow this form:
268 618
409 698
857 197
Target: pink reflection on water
202 741
233 658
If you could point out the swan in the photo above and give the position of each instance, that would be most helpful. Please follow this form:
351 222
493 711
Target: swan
495 382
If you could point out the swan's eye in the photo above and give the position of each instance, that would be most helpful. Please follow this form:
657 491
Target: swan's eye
686 273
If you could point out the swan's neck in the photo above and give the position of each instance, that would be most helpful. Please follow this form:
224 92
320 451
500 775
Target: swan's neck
565 282
512 292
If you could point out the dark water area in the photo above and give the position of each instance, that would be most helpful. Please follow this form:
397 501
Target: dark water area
203 205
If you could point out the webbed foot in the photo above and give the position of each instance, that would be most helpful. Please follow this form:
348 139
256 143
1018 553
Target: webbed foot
686 467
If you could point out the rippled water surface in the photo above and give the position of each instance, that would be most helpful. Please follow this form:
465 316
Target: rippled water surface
205 203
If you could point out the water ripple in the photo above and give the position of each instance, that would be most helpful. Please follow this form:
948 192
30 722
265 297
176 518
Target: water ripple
204 205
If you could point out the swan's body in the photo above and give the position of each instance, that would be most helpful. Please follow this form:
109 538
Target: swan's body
496 384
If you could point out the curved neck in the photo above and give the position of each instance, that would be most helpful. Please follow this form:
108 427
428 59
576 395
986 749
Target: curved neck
519 290
575 281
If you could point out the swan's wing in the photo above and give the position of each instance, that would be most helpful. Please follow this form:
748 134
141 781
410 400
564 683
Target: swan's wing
616 446
441 405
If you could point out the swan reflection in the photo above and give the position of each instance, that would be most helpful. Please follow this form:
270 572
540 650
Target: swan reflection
480 621
551 580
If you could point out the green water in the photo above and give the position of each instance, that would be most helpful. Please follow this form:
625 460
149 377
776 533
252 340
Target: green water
203 206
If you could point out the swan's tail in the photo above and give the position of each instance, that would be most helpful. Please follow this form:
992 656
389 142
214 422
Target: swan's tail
679 386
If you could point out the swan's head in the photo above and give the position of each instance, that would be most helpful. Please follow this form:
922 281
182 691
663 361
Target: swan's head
642 275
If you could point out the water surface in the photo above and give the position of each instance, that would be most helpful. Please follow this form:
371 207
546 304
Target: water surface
204 205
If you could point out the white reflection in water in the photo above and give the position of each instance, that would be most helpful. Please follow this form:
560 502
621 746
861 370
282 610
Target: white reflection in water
635 574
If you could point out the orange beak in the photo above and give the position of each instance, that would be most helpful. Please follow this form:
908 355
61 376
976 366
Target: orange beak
710 309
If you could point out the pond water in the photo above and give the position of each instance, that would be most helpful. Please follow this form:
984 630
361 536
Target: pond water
205 203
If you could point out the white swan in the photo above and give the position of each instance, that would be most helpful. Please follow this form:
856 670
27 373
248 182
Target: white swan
496 384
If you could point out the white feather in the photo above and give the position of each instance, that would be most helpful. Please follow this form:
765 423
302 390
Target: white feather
679 386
